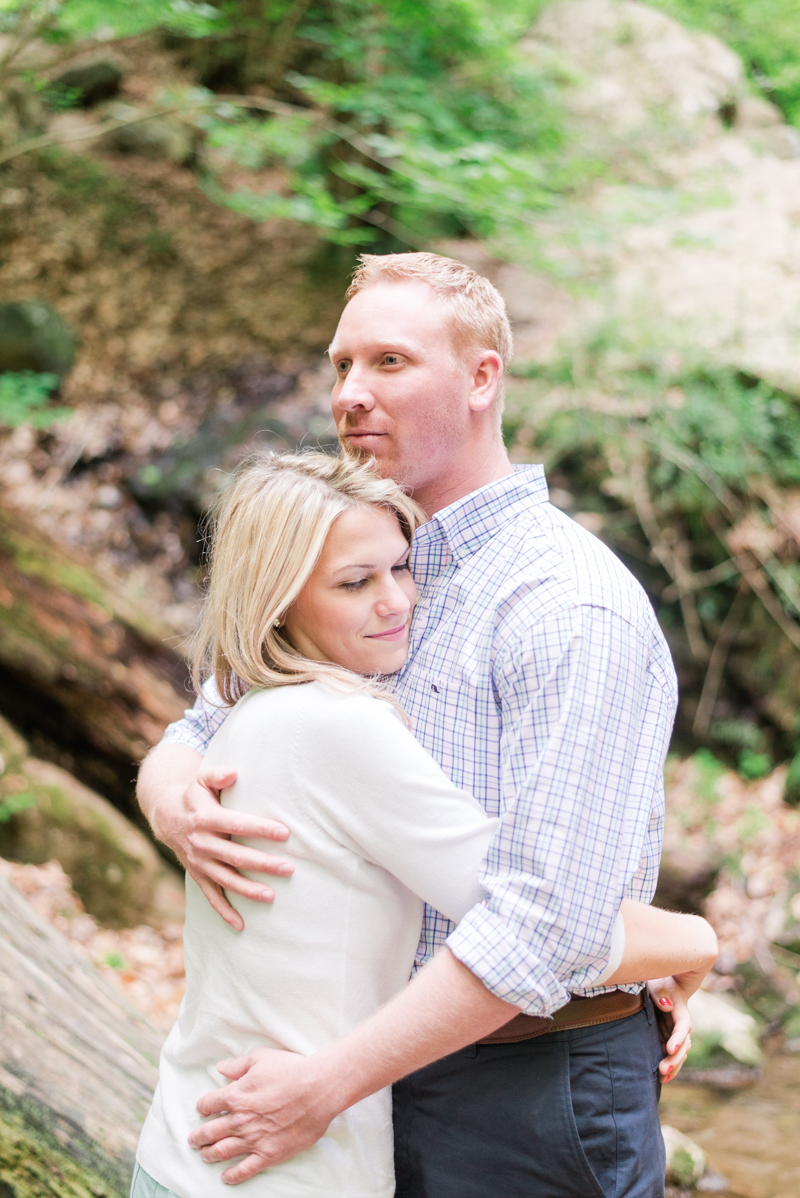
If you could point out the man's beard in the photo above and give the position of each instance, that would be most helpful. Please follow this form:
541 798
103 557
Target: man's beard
357 454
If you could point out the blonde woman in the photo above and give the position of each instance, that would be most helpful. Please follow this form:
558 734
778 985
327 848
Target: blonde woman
309 604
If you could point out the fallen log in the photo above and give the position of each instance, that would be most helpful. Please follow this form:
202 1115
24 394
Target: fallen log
78 1066
83 672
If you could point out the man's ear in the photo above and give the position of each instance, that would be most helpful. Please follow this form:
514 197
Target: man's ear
486 377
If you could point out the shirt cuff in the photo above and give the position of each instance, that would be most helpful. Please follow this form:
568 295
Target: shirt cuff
184 733
505 964
617 951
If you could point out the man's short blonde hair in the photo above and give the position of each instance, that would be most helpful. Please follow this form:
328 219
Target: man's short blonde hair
479 317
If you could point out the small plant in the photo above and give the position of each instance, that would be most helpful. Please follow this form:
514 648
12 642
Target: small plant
13 804
24 396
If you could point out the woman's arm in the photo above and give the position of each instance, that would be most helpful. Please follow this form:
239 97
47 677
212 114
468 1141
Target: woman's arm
661 944
677 951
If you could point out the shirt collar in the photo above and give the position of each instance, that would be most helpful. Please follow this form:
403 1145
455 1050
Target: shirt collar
463 526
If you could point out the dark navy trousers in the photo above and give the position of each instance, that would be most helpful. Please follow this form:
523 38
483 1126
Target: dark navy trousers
571 1114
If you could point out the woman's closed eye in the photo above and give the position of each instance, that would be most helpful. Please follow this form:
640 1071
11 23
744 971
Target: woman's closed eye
355 585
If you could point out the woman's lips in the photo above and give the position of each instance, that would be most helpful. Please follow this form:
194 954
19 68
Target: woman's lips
393 634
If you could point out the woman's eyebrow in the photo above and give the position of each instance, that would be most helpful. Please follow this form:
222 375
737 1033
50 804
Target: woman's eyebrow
354 566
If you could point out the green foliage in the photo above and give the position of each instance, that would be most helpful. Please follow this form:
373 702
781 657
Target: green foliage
708 771
12 804
105 20
413 122
791 792
681 465
766 33
24 396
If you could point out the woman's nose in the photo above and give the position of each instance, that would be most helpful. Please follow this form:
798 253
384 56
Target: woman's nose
393 600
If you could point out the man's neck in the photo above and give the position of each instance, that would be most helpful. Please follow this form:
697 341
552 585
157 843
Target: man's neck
465 476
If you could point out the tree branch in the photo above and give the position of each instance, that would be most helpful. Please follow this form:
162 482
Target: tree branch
26 35
669 557
716 665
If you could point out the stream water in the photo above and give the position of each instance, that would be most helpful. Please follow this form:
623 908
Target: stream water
752 1137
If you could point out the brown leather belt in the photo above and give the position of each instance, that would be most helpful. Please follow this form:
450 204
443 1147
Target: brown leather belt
578 1012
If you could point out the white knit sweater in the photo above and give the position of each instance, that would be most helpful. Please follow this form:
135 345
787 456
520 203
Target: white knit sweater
376 828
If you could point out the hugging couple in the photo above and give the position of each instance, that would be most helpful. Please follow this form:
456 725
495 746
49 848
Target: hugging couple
455 703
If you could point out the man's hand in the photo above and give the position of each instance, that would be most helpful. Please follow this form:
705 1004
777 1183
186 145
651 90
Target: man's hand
275 1108
282 1103
181 802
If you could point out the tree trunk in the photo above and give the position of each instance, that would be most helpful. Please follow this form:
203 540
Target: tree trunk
86 675
78 1066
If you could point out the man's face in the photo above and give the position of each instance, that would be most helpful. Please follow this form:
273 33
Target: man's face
400 395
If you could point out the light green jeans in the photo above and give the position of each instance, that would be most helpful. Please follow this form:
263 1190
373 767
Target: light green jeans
145 1186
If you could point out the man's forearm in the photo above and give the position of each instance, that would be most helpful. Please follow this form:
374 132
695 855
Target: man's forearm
167 771
441 1010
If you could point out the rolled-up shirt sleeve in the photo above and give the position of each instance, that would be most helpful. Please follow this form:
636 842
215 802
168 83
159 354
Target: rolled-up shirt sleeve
200 722
586 721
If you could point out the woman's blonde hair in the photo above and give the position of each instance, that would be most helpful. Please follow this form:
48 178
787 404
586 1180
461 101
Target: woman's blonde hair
266 535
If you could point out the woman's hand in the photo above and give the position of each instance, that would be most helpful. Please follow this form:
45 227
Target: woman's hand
671 1001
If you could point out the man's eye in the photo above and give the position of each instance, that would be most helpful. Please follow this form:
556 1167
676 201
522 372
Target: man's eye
354 586
342 367
392 360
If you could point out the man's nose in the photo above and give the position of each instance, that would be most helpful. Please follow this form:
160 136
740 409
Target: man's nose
353 392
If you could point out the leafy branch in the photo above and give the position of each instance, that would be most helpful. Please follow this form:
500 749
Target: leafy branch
695 471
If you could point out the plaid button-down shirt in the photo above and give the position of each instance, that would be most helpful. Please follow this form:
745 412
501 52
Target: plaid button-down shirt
539 679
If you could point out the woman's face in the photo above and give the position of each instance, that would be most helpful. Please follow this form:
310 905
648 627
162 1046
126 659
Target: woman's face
356 607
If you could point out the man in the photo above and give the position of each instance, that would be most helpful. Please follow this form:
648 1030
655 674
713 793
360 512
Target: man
538 678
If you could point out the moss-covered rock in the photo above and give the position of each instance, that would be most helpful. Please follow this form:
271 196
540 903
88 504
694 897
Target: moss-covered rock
33 336
46 814
33 1164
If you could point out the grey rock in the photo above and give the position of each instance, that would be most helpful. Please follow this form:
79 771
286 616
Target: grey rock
158 137
97 79
33 336
713 1183
686 1161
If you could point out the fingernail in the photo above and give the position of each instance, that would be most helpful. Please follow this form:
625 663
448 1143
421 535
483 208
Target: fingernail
280 830
285 870
665 1002
266 896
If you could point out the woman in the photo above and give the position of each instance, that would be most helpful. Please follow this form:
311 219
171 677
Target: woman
309 603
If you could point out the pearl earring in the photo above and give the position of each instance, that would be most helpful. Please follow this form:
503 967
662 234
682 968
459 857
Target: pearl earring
276 623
